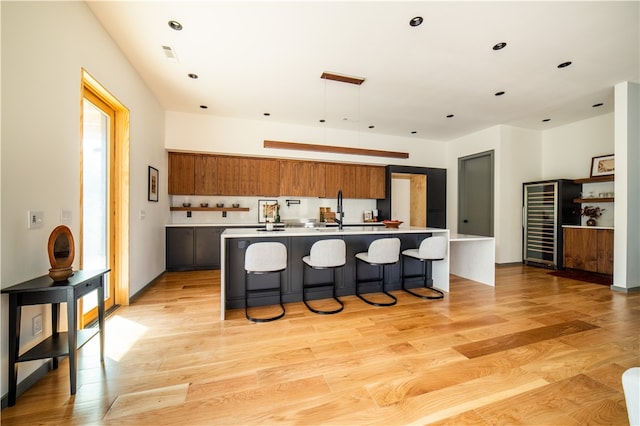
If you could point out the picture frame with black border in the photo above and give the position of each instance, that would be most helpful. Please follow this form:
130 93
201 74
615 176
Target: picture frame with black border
603 165
266 210
152 192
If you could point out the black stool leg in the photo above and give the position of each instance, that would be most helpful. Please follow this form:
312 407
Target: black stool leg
333 286
246 299
381 268
425 281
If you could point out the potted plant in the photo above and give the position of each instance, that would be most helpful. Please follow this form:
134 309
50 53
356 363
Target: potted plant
593 213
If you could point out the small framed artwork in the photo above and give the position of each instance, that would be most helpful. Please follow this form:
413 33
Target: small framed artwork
603 165
153 184
266 210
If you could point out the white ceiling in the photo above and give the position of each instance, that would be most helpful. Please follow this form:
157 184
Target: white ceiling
267 56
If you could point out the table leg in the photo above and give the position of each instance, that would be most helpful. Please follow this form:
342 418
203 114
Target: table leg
15 312
55 315
101 316
72 326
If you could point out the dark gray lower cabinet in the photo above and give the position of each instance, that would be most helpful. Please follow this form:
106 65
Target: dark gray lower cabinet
190 248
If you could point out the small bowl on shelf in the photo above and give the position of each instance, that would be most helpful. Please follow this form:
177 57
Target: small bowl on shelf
204 204
186 204
392 223
235 205
219 205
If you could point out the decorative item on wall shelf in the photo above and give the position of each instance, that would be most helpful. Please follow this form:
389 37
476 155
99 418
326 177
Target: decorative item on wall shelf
61 250
153 184
593 213
603 165
266 210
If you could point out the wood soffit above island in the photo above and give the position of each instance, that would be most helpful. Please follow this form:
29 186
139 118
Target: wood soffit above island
334 149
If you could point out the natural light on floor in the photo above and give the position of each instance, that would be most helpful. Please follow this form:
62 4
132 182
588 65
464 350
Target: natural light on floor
128 333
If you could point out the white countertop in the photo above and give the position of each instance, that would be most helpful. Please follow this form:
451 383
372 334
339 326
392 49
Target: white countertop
469 237
300 232
587 227
256 225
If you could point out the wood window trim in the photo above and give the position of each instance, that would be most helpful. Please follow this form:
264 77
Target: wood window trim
120 190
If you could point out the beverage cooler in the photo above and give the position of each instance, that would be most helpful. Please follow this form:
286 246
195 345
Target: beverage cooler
547 205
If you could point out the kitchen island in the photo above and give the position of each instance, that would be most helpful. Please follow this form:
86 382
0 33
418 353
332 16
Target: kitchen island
298 241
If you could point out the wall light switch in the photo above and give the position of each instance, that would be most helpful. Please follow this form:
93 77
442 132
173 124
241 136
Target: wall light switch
142 214
34 219
65 216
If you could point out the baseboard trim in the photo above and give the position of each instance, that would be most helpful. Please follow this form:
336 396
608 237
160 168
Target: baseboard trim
29 381
143 289
625 289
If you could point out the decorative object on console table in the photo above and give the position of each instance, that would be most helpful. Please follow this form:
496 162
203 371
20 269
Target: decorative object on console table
593 213
153 184
61 250
266 210
603 165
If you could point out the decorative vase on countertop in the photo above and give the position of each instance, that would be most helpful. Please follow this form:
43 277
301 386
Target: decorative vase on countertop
591 222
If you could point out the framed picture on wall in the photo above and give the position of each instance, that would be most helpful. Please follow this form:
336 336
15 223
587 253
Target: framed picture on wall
603 165
266 210
153 184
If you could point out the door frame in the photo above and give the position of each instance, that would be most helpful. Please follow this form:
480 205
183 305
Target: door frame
462 187
119 203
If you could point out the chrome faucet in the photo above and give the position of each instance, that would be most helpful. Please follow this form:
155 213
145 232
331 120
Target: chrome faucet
340 217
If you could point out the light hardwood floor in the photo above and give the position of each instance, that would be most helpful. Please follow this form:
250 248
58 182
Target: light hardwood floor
536 349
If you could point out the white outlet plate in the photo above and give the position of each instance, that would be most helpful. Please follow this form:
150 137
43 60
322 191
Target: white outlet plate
36 325
34 219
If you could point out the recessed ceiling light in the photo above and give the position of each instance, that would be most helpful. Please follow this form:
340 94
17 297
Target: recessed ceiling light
192 75
413 132
546 119
416 21
499 46
597 105
267 114
204 106
372 127
564 64
450 116
175 25
499 93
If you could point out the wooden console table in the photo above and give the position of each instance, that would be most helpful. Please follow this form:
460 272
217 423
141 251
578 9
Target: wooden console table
43 290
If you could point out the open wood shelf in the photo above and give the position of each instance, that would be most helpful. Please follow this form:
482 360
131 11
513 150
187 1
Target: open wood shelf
608 178
210 209
593 200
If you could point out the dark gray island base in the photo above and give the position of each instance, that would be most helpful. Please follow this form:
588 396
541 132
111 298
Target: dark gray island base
298 242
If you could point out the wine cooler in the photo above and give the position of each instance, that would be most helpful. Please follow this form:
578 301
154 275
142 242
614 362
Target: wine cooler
547 206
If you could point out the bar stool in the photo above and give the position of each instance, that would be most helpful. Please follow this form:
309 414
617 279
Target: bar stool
381 253
264 258
431 249
324 254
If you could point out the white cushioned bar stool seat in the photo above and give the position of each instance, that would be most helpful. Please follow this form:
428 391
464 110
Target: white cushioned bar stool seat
431 249
324 254
264 258
381 253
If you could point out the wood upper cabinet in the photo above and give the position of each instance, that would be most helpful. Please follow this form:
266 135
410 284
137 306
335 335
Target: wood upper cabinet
182 173
337 177
302 178
269 177
589 249
377 182
356 181
206 176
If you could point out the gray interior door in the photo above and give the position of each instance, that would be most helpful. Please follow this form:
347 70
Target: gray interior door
475 194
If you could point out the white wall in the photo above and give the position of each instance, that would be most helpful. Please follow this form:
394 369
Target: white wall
44 47
626 268
517 160
199 132
567 152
